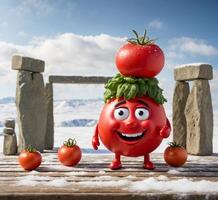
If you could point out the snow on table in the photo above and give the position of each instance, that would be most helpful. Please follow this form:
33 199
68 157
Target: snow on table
92 179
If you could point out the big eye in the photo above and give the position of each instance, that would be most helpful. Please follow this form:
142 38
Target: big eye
121 113
141 113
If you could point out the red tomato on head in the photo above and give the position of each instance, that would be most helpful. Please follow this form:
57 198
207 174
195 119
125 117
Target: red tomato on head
140 57
30 159
140 61
69 154
132 128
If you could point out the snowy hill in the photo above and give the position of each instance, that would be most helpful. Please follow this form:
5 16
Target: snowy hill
7 100
67 113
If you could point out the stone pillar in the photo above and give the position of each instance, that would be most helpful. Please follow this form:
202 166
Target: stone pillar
180 96
49 137
198 109
30 102
199 116
10 139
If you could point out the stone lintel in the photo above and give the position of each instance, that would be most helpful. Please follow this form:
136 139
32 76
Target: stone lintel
79 79
193 71
27 64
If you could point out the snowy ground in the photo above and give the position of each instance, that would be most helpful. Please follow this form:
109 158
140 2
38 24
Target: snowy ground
160 184
76 119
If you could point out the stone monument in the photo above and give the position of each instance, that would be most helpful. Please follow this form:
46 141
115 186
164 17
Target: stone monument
30 102
193 112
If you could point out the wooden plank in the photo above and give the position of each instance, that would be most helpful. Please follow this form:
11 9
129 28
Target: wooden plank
108 173
93 169
105 196
72 178
79 79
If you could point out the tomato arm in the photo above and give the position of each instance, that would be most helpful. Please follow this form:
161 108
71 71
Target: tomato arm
95 139
165 131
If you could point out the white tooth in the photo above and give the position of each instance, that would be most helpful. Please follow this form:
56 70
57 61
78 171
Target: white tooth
132 135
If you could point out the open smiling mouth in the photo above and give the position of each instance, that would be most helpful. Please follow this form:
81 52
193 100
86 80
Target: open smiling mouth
131 136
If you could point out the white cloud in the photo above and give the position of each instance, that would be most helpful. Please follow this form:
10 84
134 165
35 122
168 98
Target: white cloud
156 24
193 46
64 54
75 54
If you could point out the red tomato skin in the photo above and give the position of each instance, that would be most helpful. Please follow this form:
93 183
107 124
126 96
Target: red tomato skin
69 156
140 61
30 160
175 156
108 125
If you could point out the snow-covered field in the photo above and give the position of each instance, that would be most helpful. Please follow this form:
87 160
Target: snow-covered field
76 118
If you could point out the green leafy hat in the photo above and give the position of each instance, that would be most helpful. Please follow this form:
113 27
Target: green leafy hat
131 87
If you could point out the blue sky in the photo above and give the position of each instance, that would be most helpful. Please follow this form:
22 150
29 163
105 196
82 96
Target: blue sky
186 30
192 18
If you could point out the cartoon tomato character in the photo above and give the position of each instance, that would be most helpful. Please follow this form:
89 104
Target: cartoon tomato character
133 127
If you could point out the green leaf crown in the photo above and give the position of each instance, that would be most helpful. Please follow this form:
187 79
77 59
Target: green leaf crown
131 87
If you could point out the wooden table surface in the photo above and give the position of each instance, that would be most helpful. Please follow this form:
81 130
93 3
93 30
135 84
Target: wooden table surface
91 179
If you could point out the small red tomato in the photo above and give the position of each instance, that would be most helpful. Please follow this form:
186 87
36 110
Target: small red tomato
69 154
30 159
140 57
175 155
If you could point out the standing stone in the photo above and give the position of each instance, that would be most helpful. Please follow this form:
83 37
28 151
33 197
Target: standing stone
181 93
49 136
199 117
10 144
31 109
10 139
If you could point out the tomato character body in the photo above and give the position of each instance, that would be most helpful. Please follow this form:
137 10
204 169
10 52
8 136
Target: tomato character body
69 154
140 61
30 160
132 128
175 155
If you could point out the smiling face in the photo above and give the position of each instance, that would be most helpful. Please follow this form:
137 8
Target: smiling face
131 128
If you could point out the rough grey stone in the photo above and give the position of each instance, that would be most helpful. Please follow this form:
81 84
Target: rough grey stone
28 64
199 117
49 136
181 93
79 79
9 131
10 123
10 144
193 71
31 110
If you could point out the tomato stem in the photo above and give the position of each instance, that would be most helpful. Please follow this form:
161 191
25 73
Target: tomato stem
30 149
174 144
144 36
70 142
141 40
